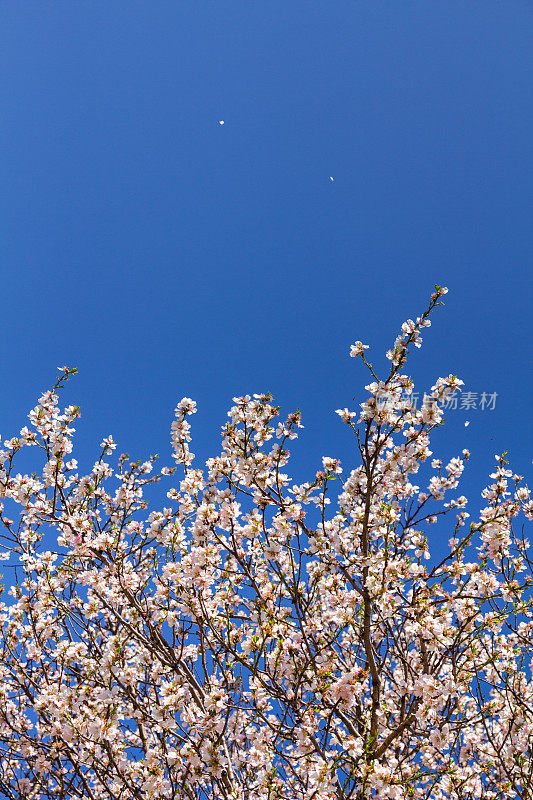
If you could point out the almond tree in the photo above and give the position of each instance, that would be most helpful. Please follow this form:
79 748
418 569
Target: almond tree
252 640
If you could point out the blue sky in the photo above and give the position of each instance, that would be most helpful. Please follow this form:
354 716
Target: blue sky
165 255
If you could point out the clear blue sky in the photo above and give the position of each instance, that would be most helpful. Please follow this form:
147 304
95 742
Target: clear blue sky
165 255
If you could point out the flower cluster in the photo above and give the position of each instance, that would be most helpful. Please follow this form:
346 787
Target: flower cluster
251 639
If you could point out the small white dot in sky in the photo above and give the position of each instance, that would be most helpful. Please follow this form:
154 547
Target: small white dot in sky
467 424
221 122
331 178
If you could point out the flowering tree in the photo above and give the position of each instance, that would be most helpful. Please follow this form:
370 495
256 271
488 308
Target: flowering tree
245 641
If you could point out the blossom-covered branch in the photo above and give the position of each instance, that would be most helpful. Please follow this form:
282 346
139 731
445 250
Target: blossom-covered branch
249 639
